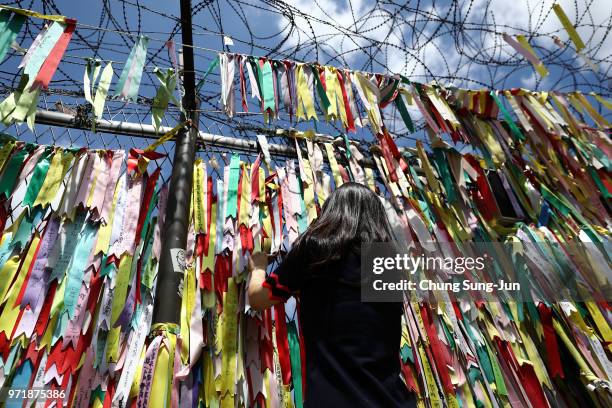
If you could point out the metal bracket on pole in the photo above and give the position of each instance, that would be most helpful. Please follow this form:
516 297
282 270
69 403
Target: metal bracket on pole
167 306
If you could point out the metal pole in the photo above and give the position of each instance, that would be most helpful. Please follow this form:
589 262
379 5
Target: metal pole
167 307
65 120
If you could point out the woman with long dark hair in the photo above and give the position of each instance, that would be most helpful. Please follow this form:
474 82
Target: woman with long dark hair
352 348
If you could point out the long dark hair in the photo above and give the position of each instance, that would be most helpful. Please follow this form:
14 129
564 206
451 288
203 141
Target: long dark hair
352 215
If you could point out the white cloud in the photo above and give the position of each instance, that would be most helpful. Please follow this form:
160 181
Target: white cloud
411 39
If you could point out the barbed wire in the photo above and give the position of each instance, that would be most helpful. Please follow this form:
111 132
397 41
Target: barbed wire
454 42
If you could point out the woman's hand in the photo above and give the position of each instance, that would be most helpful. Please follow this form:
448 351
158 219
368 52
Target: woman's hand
259 296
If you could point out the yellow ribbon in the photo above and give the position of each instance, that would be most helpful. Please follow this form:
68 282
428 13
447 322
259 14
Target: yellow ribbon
11 311
571 31
187 305
165 137
199 199
245 199
30 13
601 100
539 67
304 96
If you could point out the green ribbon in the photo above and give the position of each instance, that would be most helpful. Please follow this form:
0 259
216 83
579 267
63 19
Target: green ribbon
602 188
8 32
38 178
92 78
132 70
136 71
516 132
389 92
92 70
401 107
267 86
5 16
5 152
76 269
146 224
9 178
347 143
24 230
601 156
211 66
485 363
406 354
20 105
320 90
444 170
296 363
232 188
497 374
165 94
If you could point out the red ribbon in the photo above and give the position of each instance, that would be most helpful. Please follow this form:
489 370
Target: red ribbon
349 114
525 374
484 198
288 71
243 89
144 209
343 173
550 338
440 353
387 155
282 343
43 317
246 239
255 179
266 349
49 67
135 155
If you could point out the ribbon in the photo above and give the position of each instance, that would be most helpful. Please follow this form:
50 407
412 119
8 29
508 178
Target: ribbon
57 171
38 177
9 177
232 189
35 44
401 107
165 94
9 30
101 91
522 47
129 80
30 13
172 54
165 137
305 103
20 105
50 64
76 269
213 64
267 88
571 31
40 53
227 65
296 368
199 197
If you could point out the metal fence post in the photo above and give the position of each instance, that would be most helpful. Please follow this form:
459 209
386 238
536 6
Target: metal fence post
176 226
